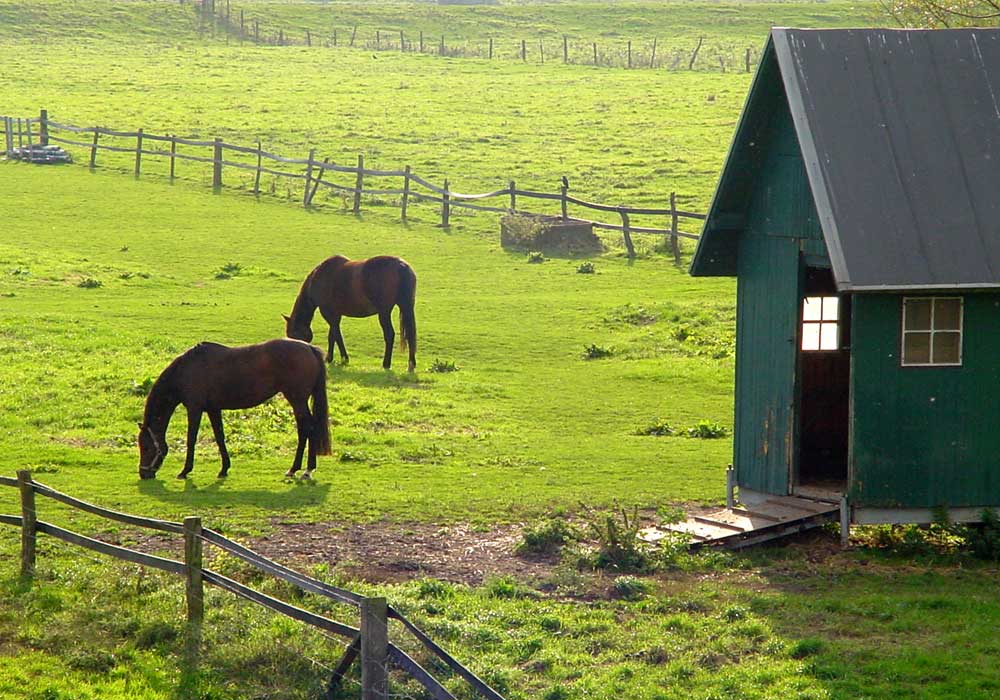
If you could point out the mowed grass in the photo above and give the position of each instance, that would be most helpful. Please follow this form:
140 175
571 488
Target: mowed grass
525 424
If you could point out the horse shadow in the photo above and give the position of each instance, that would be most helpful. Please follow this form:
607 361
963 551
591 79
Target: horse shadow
294 494
382 379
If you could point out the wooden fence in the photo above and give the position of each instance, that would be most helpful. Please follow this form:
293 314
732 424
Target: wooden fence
312 175
370 641
628 53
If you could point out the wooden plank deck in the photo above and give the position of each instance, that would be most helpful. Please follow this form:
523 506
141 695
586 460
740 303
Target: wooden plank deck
738 527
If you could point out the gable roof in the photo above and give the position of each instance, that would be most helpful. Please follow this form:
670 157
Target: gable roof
900 135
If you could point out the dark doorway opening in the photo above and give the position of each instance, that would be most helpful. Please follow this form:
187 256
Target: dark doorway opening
824 383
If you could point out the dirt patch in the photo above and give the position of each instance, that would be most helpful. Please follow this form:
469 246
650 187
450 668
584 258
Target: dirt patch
389 552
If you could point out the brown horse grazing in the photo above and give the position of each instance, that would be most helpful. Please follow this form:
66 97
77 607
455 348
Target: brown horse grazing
211 377
358 288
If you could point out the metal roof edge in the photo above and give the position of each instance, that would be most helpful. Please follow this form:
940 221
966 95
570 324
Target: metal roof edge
706 229
919 287
810 156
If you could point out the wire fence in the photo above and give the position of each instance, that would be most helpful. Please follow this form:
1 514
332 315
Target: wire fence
23 135
369 643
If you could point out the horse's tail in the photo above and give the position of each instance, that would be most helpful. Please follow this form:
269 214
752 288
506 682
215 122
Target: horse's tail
320 408
406 297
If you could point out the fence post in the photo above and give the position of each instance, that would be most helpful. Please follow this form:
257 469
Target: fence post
748 59
8 138
730 487
256 30
694 56
421 41
406 191
491 48
374 649
626 232
28 523
652 57
359 183
43 127
138 151
441 49
524 50
378 39
354 34
334 37
564 190
243 26
173 154
565 49
445 206
630 53
675 244
402 41
93 149
309 39
256 177
217 164
309 177
595 53
513 198
195 588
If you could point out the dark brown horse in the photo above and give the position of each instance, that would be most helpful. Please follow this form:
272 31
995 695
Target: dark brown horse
358 288
210 377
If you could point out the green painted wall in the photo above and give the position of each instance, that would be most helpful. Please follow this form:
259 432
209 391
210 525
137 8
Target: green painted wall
925 436
781 226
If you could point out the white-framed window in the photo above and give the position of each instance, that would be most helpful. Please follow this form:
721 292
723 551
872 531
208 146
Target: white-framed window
932 332
820 323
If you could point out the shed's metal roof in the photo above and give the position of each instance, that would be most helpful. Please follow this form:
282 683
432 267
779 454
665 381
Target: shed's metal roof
900 133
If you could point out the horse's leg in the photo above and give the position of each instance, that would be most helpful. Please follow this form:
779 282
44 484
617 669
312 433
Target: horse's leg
194 422
303 424
220 440
385 320
336 337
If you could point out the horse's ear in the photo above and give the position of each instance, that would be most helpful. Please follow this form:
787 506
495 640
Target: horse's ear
287 318
140 425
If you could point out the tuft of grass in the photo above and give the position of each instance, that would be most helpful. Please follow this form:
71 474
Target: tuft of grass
442 366
545 536
619 547
659 428
806 647
596 352
535 257
630 587
228 271
89 283
706 430
586 268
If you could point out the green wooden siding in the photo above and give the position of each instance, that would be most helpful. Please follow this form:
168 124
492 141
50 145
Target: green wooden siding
925 436
781 226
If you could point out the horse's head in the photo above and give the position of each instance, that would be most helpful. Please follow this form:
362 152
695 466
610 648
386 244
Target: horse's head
297 331
152 450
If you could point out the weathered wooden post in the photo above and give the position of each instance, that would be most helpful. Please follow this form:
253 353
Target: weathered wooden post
595 53
8 140
334 37
256 30
491 48
626 232
441 49
138 151
445 206
374 649
43 127
281 37
541 51
309 39
421 41
309 177
359 183
564 192
513 197
256 177
194 585
402 41
565 49
173 154
748 59
675 244
243 26
378 39
93 148
29 523
217 164
630 53
845 522
694 56
730 487
354 34
524 50
406 191
652 56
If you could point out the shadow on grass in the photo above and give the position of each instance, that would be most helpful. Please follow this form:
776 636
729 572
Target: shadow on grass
295 494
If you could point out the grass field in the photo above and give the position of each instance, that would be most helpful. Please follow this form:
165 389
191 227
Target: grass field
105 278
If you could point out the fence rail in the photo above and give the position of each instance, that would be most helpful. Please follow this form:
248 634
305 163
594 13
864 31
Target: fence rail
19 132
369 642
634 53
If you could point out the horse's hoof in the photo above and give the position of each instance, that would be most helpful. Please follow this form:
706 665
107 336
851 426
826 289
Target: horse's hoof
290 474
306 476
222 475
182 475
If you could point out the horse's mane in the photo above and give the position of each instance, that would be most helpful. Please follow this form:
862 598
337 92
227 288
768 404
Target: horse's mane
161 392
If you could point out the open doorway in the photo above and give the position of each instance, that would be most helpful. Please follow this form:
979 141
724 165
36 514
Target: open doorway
824 367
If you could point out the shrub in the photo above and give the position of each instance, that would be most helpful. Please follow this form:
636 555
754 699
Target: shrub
657 428
506 587
805 647
586 268
443 366
618 544
228 271
984 540
89 283
545 537
535 256
706 430
596 352
630 587
433 588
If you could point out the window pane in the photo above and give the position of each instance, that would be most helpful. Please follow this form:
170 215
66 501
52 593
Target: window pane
917 315
828 336
947 348
831 307
812 309
916 348
810 336
947 314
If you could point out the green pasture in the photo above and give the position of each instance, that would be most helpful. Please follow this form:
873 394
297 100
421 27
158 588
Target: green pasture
526 423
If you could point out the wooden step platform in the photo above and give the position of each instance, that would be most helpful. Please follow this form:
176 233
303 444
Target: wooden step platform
738 527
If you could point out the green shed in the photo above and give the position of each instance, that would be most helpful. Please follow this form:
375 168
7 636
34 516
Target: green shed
859 210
